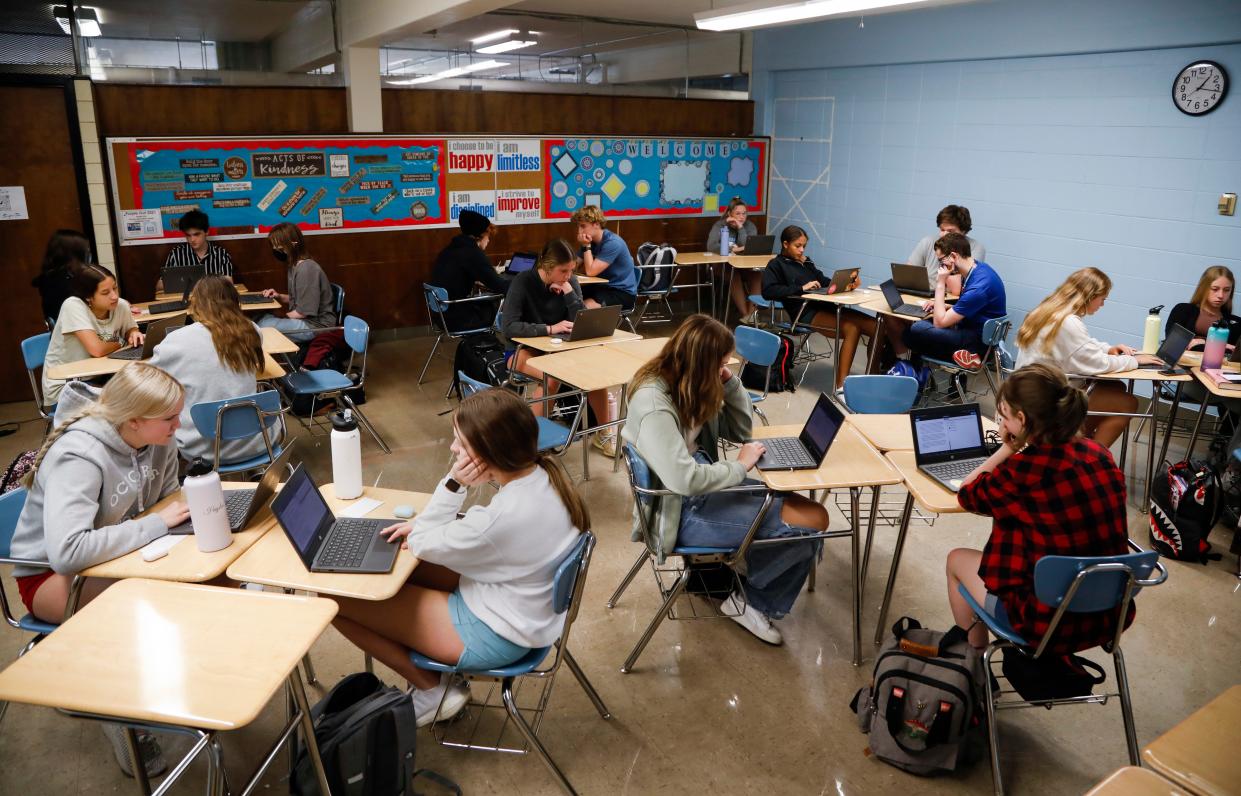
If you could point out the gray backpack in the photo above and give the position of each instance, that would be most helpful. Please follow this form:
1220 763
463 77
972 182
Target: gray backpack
923 709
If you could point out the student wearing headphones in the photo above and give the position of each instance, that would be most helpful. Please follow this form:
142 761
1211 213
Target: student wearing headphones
463 264
604 253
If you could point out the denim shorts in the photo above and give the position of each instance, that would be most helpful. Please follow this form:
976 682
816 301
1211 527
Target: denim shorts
484 648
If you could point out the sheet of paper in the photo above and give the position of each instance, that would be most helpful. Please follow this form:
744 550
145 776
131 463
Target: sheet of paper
13 203
360 507
142 223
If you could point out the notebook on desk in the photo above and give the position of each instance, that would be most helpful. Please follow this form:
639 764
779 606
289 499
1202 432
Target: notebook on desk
948 442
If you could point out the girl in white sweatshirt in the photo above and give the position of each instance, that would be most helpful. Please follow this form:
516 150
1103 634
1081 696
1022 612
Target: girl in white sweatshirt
481 596
1055 334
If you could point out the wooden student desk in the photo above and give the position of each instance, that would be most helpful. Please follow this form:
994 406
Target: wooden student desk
583 279
860 298
272 561
189 659
851 464
740 262
545 344
274 342
1200 754
1134 781
142 315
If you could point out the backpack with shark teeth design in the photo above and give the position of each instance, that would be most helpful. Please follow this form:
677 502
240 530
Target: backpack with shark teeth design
1185 505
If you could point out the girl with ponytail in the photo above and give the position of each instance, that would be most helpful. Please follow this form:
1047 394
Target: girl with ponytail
1050 491
482 595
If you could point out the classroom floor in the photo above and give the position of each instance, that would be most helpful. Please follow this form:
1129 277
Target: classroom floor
708 708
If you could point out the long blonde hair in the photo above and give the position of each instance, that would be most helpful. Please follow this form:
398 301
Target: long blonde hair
137 391
214 303
1204 287
690 365
1071 298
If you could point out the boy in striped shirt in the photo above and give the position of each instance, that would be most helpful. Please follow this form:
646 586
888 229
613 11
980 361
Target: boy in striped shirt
197 250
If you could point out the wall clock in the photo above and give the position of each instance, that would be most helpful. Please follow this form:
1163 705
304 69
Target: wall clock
1199 88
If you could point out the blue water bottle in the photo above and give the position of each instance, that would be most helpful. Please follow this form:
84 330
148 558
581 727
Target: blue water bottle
726 238
1217 339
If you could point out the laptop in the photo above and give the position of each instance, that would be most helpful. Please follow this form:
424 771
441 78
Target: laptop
840 282
1174 346
948 442
325 543
243 505
155 334
912 279
589 324
759 244
522 261
806 451
182 277
172 306
254 298
897 302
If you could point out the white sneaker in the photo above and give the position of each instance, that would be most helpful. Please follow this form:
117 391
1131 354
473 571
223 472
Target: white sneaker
450 699
751 619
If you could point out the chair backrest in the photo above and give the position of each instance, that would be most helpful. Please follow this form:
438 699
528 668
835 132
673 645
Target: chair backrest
568 573
640 477
470 385
437 298
34 350
880 394
995 330
243 417
338 300
1098 590
11 504
357 332
757 345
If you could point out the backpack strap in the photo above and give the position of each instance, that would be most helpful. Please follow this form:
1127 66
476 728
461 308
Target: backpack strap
405 728
904 625
438 779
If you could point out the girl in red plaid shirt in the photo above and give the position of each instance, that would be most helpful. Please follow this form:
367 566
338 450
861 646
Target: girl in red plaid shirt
1051 492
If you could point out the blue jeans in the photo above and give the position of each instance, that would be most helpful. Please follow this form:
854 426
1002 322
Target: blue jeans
924 337
484 648
776 573
292 327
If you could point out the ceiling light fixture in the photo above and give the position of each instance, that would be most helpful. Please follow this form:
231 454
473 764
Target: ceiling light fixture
760 14
506 46
454 72
88 20
499 34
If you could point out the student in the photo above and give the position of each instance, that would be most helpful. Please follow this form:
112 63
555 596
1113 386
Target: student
734 225
541 301
115 459
953 218
197 250
604 253
461 265
1211 302
683 402
54 281
1050 492
482 595
217 357
310 294
93 322
955 327
790 274
1055 334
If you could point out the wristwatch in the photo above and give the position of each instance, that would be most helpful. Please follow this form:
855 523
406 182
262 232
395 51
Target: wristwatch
452 484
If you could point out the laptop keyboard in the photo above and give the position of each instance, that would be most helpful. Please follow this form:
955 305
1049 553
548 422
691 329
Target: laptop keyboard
127 353
950 470
254 298
787 451
236 504
348 542
166 306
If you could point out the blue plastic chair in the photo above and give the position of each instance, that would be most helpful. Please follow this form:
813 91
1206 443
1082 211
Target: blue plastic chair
438 305
327 383
758 347
880 394
242 418
1076 584
567 585
34 352
553 436
994 332
338 300
11 504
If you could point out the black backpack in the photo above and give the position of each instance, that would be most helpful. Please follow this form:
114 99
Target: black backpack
754 376
1185 505
366 733
655 279
480 356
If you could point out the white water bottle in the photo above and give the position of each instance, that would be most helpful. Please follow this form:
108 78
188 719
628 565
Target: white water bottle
1150 333
346 456
208 513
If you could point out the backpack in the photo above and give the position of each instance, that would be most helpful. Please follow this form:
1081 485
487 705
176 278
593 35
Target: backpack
904 367
1185 505
923 709
755 376
1051 676
16 471
656 279
480 356
366 733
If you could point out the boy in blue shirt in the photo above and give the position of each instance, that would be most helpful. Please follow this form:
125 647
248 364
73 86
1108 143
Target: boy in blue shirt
957 327
605 254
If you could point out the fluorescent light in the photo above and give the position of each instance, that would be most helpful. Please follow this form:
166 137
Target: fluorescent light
499 34
454 72
505 46
88 20
757 15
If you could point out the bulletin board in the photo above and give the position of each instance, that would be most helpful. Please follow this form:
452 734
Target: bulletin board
336 184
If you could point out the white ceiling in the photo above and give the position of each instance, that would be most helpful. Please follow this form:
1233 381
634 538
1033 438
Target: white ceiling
663 12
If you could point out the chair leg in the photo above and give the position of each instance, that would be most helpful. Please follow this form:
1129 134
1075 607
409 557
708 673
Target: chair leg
664 610
366 423
1126 706
636 319
993 731
506 693
309 669
586 686
629 576
430 356
761 416
4 708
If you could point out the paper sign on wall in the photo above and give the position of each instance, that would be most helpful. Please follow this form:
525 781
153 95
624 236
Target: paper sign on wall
13 203
142 223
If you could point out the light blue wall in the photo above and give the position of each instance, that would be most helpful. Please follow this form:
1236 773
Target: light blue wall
1065 160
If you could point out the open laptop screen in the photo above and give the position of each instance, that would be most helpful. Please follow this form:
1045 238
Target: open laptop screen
300 509
1174 344
821 428
521 261
941 435
892 293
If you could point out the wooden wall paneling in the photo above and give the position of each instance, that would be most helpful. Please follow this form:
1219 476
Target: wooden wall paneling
35 127
132 110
